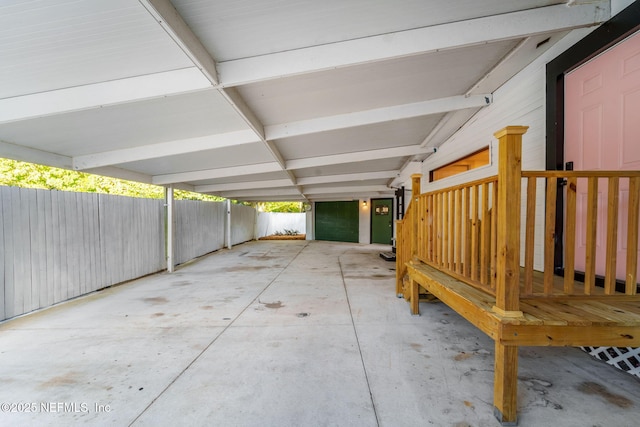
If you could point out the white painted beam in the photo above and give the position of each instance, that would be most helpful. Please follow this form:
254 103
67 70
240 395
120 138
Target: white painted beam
101 94
259 194
170 20
470 32
238 103
273 199
164 149
129 175
377 115
115 172
408 169
360 156
216 188
353 196
25 154
350 189
528 50
347 177
216 173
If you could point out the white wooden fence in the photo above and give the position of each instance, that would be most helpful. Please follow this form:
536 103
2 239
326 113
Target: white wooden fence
199 228
57 245
270 223
243 222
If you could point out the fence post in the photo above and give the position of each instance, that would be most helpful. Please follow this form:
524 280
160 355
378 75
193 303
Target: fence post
415 192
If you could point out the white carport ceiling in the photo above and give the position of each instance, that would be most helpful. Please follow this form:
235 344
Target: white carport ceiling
260 100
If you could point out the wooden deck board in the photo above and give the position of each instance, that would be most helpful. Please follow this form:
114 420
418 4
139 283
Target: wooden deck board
552 320
611 312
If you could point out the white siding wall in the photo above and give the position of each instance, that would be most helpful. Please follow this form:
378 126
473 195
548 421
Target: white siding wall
521 101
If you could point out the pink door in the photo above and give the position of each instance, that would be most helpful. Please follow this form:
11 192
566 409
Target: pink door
602 131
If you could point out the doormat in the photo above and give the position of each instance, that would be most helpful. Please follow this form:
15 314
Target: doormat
624 358
388 256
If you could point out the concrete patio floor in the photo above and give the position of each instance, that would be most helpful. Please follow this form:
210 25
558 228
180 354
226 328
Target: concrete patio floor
276 333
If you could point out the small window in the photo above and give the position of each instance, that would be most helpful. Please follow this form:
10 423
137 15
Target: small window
472 161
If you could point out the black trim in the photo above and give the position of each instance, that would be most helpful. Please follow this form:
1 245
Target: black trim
611 32
578 276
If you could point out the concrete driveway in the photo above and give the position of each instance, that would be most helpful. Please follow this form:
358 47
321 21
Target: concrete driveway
282 333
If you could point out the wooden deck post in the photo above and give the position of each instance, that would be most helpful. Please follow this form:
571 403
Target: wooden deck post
505 383
399 257
414 289
508 221
415 192
414 297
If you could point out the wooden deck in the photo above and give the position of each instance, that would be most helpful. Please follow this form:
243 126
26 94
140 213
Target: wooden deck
462 244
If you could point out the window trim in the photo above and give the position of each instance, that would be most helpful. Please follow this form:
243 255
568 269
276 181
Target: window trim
488 148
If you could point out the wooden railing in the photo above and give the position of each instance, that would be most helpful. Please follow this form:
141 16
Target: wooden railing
619 211
403 249
406 232
473 233
457 232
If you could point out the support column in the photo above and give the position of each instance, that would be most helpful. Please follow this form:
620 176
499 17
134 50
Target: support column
415 193
170 231
228 224
505 384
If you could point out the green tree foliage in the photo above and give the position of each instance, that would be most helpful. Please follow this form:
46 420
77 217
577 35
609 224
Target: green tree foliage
22 174
280 206
30 175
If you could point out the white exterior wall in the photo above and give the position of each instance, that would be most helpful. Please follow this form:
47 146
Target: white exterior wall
364 229
520 101
309 222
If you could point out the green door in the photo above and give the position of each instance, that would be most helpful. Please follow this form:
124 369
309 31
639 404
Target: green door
337 221
381 221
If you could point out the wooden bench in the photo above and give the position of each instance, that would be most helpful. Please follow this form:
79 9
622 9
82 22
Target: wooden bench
462 245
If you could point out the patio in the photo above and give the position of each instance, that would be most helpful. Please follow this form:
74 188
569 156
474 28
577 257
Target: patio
283 333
